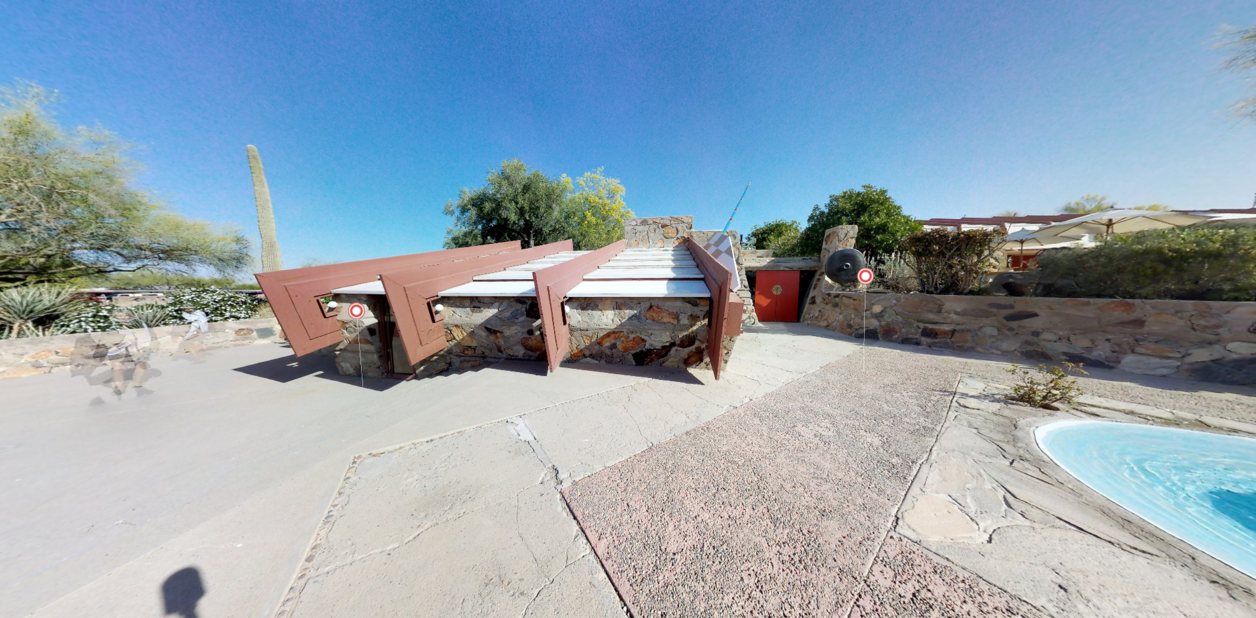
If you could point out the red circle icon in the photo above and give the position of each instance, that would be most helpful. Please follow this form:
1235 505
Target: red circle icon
865 275
357 310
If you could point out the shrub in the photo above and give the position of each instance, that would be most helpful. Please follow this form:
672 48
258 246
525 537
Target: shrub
895 273
220 305
31 311
91 318
150 314
948 262
1185 263
1046 385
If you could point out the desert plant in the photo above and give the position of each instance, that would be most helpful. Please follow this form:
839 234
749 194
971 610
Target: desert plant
219 304
31 311
265 214
1045 386
1186 263
150 314
896 274
950 262
90 318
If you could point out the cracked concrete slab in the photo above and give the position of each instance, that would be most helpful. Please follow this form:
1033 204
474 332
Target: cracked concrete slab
426 528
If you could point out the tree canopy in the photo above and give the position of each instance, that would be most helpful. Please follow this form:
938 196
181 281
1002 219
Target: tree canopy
528 206
780 236
1091 202
598 205
1242 60
69 207
882 224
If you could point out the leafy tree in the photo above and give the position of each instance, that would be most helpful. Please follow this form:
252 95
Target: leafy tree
780 236
597 203
515 205
882 224
1242 60
68 207
1091 202
1156 207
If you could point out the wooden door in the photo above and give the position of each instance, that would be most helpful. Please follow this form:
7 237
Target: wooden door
776 295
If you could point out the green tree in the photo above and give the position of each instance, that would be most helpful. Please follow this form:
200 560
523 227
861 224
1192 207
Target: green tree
1155 207
1089 203
597 204
515 205
882 224
780 236
157 280
1241 43
69 208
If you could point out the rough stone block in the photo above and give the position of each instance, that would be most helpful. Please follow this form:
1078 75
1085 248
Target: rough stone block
1148 365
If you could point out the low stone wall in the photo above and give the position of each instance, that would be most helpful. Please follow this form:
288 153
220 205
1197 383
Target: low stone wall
667 332
38 355
1206 341
656 232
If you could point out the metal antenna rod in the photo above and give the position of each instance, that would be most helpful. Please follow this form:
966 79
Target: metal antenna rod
730 217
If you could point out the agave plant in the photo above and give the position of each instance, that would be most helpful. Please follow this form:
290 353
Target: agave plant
150 314
30 311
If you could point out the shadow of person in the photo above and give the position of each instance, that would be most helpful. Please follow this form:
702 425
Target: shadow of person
182 591
1239 506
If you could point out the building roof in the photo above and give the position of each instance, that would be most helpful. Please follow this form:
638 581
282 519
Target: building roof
1000 221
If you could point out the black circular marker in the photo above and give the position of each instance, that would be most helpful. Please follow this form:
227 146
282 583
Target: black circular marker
843 266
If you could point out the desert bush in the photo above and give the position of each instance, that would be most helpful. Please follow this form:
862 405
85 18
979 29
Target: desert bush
1045 386
949 262
219 304
90 318
1185 263
896 274
150 314
33 310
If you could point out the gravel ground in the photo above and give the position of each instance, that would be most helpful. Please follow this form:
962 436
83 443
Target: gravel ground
783 506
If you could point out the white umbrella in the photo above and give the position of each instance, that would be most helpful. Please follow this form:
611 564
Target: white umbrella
1035 239
1108 222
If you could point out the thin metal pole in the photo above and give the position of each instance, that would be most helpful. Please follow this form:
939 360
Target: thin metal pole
730 217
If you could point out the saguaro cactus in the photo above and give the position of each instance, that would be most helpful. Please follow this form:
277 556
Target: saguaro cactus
265 215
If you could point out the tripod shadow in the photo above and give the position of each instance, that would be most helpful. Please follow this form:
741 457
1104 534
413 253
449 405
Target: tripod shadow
181 592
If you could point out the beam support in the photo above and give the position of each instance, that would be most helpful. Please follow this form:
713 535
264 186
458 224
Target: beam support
552 286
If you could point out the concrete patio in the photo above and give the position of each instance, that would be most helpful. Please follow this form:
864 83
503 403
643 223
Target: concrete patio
229 465
817 477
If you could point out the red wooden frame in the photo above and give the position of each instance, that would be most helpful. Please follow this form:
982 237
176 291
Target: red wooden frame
552 286
726 305
412 294
293 294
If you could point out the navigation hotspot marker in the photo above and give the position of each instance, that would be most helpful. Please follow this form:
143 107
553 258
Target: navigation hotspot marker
357 310
865 276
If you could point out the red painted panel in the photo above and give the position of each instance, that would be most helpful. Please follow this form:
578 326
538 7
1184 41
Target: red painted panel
726 305
552 285
776 295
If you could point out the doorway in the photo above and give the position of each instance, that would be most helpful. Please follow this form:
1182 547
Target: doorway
776 295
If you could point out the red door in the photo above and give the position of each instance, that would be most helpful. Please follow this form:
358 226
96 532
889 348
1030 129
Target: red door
776 295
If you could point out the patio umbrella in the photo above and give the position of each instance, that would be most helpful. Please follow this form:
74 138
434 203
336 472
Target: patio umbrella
1035 239
1108 222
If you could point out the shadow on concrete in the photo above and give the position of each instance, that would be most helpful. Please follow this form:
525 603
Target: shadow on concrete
182 591
665 374
288 368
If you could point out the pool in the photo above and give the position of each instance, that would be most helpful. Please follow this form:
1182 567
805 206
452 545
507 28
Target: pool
1197 486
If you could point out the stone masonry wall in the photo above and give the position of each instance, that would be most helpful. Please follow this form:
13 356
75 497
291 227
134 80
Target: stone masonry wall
668 332
1206 341
656 232
38 355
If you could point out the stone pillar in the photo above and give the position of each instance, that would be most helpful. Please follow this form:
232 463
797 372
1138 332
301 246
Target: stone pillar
840 237
656 232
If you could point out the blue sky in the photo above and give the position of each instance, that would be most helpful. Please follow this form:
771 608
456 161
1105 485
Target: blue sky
370 116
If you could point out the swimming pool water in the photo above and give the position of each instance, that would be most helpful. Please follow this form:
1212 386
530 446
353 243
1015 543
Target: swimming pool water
1197 486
